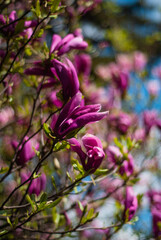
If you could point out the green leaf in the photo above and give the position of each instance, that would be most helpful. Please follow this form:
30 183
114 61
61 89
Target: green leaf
139 198
3 232
101 172
56 216
54 183
52 204
3 170
60 145
80 206
118 144
47 130
134 181
159 225
28 51
19 26
127 216
31 202
73 133
77 166
36 175
54 6
43 197
68 175
90 214
37 9
89 217
9 222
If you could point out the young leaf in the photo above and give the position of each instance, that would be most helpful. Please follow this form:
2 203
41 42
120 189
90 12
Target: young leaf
43 197
52 204
31 202
54 183
9 222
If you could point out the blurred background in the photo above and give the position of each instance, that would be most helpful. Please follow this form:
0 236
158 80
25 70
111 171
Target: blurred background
117 31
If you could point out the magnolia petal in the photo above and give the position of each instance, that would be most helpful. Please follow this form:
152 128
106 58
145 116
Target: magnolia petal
90 141
81 121
54 43
73 103
76 147
77 43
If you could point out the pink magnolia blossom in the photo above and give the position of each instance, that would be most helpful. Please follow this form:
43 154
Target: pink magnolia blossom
122 121
11 28
75 116
139 61
69 42
27 152
125 62
94 155
115 156
139 134
131 203
156 218
155 202
83 64
6 115
149 119
37 185
153 88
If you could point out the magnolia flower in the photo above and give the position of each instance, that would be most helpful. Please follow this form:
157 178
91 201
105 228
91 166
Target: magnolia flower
150 119
121 81
153 87
27 152
131 203
75 116
94 155
155 201
6 116
139 61
37 185
125 62
127 167
157 71
67 75
64 72
155 198
156 216
83 64
139 134
69 42
11 28
121 122
53 100
115 156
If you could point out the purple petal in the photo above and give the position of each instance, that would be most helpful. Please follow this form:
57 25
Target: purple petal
63 44
74 82
80 122
78 43
85 109
12 16
68 77
76 147
131 202
54 43
90 141
74 103
31 23
2 19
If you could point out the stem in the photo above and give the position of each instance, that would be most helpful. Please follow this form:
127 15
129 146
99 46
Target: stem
22 48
